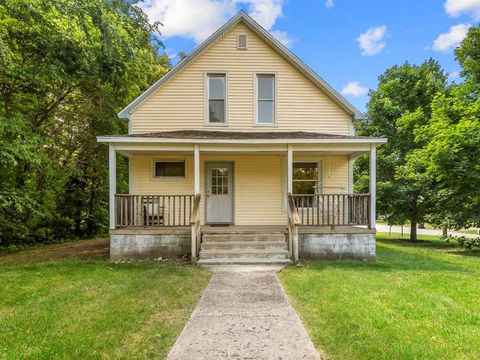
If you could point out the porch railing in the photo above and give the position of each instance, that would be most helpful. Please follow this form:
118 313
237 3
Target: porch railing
153 210
333 209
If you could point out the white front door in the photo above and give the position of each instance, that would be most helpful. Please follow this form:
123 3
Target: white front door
219 193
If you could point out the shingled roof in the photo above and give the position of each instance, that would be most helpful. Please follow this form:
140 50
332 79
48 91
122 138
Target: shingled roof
238 135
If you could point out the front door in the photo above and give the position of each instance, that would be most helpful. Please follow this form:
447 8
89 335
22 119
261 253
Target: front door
219 193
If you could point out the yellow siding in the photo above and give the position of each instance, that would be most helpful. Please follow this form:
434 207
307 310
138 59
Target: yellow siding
179 103
259 182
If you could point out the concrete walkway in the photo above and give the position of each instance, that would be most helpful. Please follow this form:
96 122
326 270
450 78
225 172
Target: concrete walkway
244 314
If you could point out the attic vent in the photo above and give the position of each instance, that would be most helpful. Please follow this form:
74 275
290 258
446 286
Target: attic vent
242 42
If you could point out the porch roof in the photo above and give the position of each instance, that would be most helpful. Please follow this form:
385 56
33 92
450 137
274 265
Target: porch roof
200 136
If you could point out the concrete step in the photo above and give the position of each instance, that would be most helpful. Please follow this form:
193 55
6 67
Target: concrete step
234 254
244 261
228 237
245 245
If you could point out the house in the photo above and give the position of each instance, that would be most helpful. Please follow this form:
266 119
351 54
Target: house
241 153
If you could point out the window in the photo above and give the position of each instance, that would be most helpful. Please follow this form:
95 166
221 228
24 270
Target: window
305 178
216 99
169 169
242 42
220 181
265 99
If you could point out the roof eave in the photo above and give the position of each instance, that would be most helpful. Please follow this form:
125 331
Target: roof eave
138 139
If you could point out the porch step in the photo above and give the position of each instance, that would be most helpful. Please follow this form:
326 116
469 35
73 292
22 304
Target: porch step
249 236
244 261
245 245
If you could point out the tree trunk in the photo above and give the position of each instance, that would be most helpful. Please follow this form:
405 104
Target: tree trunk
444 231
413 229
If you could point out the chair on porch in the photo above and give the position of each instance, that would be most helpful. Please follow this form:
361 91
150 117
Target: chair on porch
152 211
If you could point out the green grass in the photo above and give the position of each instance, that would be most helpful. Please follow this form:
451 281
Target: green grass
417 301
85 307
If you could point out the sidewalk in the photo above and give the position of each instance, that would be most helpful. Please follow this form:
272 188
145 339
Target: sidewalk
244 314
406 231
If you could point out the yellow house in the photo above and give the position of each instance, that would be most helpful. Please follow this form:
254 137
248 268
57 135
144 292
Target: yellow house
241 154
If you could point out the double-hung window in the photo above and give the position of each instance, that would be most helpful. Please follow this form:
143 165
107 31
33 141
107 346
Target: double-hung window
216 99
305 178
265 85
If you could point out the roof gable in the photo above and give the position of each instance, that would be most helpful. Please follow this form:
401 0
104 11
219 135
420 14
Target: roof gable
271 41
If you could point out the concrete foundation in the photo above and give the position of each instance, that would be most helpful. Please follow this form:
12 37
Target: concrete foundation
337 245
142 244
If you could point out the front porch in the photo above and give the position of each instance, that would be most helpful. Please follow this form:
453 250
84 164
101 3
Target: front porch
245 193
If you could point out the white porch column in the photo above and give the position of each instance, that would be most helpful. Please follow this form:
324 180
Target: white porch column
112 172
350 176
196 169
373 186
289 168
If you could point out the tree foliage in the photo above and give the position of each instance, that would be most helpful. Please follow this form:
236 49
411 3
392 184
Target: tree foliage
400 105
66 68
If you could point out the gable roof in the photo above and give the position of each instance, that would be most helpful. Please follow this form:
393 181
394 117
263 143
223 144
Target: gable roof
242 16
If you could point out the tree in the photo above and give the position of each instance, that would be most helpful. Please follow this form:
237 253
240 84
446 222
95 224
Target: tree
400 105
450 159
66 68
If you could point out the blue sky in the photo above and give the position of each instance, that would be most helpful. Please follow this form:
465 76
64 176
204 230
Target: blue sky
347 42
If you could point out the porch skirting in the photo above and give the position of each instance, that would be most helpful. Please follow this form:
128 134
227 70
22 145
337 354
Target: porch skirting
149 243
337 244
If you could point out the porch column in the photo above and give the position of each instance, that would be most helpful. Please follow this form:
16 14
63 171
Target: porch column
289 168
196 169
373 186
112 172
350 176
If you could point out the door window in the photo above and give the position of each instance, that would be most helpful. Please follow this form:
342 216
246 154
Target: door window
220 181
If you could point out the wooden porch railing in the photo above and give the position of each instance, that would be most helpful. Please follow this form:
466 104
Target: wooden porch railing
153 210
196 229
293 222
333 209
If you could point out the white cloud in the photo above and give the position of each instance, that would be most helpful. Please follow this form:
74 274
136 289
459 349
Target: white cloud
355 89
371 41
459 7
198 19
329 3
450 40
283 37
454 75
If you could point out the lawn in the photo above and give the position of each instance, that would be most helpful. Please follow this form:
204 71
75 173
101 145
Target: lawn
417 301
69 302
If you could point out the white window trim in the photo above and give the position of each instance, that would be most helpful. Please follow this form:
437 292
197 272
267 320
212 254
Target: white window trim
168 178
206 120
300 159
255 99
320 168
246 42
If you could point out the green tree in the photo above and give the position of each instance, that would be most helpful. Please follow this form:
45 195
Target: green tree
66 68
451 158
400 105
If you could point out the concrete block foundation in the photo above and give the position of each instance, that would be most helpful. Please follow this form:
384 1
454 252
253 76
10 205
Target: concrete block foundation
145 244
337 245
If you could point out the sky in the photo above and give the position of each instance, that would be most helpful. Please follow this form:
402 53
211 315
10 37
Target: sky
349 43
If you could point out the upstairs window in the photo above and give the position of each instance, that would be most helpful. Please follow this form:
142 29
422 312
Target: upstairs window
216 99
265 99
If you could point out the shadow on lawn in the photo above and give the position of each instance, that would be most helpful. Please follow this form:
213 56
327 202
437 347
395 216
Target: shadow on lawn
400 258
